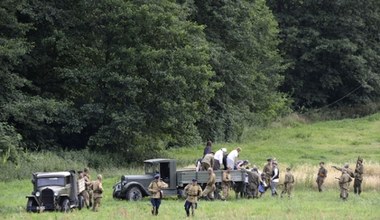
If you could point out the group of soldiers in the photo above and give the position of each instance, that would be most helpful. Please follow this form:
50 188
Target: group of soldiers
345 178
93 189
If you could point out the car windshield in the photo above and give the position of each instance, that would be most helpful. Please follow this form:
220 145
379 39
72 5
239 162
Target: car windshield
151 168
51 181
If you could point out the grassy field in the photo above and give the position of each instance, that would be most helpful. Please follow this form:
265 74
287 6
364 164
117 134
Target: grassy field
293 141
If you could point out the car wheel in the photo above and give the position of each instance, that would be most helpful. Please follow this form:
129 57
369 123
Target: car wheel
30 205
80 202
65 205
134 194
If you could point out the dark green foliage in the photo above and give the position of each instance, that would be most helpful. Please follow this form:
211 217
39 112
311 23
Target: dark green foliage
332 46
243 35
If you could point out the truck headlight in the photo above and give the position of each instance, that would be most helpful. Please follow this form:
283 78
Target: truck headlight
38 193
55 194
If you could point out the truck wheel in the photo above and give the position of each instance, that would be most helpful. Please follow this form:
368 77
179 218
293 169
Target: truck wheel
65 205
29 205
134 194
80 202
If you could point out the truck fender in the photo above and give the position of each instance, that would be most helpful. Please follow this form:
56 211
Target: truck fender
144 190
33 197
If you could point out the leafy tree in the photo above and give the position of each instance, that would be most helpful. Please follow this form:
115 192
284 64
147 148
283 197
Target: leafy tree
243 35
332 46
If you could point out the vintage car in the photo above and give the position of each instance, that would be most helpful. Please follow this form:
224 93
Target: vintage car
53 191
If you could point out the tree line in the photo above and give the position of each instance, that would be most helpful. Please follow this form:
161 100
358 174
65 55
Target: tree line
137 77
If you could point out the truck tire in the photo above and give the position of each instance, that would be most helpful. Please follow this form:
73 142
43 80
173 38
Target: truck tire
134 194
80 202
30 204
65 205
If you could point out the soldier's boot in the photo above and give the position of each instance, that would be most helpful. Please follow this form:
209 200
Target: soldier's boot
156 213
187 213
153 210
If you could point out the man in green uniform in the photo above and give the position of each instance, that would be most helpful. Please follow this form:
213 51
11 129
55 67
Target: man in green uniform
97 187
226 183
321 176
268 170
344 183
192 191
155 188
254 180
358 176
208 161
88 186
208 193
288 183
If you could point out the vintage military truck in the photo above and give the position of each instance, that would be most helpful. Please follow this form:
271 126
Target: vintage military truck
135 187
53 191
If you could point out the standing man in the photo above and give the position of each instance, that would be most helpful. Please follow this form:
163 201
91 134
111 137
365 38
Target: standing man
88 187
344 183
218 158
267 171
208 148
275 178
208 193
155 188
288 183
98 191
321 176
226 183
253 183
232 157
192 191
358 176
208 161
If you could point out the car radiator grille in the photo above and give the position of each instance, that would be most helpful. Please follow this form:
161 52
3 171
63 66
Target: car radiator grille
47 199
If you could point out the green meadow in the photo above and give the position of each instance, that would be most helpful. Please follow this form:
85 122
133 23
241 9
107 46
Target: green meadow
294 141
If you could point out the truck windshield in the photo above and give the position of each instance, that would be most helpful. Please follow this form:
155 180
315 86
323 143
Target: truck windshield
51 181
151 168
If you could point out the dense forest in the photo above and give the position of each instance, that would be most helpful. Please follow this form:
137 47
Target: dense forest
135 77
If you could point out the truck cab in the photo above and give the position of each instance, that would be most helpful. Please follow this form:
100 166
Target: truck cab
134 187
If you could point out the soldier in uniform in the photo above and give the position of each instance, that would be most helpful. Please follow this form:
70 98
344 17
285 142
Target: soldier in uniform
344 183
88 187
208 193
358 176
288 183
155 188
253 183
97 187
268 170
208 161
226 183
192 191
347 168
321 176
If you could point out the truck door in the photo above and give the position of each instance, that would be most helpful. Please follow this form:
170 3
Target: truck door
165 172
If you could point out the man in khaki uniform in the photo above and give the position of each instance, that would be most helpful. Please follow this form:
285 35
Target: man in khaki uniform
359 170
97 187
226 183
192 191
288 183
208 193
88 187
208 161
344 183
321 176
268 170
155 188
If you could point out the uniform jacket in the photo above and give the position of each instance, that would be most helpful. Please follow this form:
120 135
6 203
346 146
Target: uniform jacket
344 181
289 178
192 192
155 188
322 172
359 170
97 187
209 159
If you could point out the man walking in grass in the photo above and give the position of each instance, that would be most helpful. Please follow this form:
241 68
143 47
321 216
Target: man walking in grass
321 176
155 188
193 191
288 183
344 183
358 176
